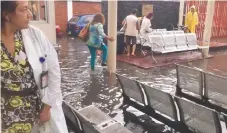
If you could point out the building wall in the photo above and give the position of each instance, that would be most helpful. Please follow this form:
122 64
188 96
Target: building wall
86 7
165 12
78 8
219 28
61 14
48 27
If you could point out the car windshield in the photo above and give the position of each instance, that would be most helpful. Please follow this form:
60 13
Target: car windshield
74 19
87 19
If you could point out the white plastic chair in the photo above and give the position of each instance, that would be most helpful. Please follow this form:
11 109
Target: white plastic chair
168 32
191 41
157 44
178 32
156 33
161 29
170 44
181 42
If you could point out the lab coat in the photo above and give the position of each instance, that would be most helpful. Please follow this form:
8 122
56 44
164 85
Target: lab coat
145 29
191 21
37 45
145 26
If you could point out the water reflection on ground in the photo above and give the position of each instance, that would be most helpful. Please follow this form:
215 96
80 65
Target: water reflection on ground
81 88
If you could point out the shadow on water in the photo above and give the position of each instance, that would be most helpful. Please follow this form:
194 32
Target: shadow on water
81 88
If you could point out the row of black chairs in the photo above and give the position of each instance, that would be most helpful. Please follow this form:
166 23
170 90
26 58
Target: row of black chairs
179 113
202 87
91 120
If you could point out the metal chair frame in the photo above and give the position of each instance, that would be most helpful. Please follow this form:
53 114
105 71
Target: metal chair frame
149 110
182 119
204 100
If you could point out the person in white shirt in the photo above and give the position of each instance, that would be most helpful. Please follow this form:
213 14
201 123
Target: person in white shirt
131 31
146 25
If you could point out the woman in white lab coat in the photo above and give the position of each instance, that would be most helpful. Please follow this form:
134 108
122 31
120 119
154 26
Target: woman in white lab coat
146 25
27 57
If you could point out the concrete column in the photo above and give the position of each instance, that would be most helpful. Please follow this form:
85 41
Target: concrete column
181 12
69 9
112 32
208 26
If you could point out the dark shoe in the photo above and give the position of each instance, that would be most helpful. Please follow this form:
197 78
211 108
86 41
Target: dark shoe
104 64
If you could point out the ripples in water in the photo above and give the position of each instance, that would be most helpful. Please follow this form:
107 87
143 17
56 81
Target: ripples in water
81 87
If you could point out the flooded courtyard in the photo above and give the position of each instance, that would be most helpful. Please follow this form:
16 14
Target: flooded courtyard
81 88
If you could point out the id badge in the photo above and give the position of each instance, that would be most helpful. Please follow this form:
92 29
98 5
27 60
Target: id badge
44 79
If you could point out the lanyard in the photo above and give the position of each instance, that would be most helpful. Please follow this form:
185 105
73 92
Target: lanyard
44 63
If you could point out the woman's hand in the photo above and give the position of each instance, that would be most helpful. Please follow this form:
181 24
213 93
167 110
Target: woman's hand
45 113
111 39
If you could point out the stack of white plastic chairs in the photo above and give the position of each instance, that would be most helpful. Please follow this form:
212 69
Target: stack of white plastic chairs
163 41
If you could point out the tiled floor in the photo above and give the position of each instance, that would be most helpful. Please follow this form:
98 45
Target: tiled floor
216 42
147 61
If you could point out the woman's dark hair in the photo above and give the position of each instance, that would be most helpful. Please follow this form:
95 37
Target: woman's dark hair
7 7
98 18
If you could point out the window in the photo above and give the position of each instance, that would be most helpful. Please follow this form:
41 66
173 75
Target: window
38 10
88 19
74 19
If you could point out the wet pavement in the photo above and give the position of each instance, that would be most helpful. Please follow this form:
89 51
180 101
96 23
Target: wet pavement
81 88
216 42
220 39
147 61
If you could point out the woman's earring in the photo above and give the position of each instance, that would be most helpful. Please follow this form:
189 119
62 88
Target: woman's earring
7 19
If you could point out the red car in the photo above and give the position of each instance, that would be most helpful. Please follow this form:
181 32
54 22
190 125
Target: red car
58 31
